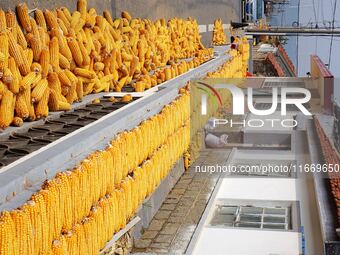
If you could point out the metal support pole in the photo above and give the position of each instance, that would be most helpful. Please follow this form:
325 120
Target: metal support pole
250 64
292 31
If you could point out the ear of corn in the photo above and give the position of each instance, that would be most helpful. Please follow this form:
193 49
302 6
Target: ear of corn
15 52
82 8
20 37
39 90
39 17
41 108
54 53
51 20
61 15
36 48
27 80
15 84
64 106
26 62
11 21
17 122
76 52
6 109
3 24
21 108
45 61
67 13
36 67
24 18
219 37
4 49
63 78
85 73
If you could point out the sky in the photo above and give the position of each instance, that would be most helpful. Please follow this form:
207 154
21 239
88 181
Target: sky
319 45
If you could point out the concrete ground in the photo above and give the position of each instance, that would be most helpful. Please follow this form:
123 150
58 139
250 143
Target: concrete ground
174 224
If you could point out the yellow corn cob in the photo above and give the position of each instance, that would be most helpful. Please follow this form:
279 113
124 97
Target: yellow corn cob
17 122
62 27
80 90
27 62
72 94
3 25
67 13
88 88
6 109
41 108
27 96
45 62
36 67
64 106
2 87
14 68
4 50
79 25
134 65
36 48
24 18
36 80
39 17
76 53
44 37
14 50
82 8
65 90
51 20
75 19
98 66
84 73
28 56
39 90
63 78
63 62
54 53
108 17
7 76
90 21
126 15
86 57
35 31
53 104
27 80
61 15
14 85
54 83
21 108
73 78
11 21
20 37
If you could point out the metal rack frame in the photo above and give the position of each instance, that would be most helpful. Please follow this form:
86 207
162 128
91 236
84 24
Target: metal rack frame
23 177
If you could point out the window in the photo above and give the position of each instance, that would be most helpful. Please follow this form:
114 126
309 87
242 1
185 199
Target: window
272 215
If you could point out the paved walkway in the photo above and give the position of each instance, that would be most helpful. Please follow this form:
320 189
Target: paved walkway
172 227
